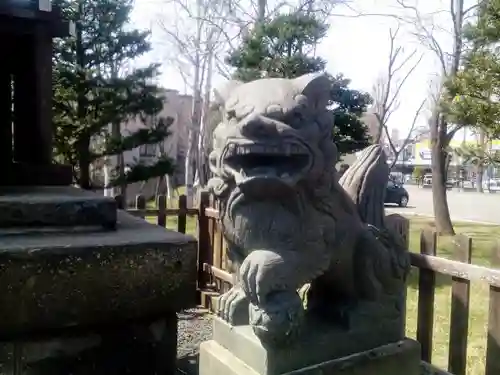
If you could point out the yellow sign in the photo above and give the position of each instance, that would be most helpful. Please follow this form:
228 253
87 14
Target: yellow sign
422 153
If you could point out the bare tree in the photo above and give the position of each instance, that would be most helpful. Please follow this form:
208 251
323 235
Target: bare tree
440 131
414 133
387 91
197 35
425 28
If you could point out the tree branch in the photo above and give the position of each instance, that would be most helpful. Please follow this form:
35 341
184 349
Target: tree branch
388 90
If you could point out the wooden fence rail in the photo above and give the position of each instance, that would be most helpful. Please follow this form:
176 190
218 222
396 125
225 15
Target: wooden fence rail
213 277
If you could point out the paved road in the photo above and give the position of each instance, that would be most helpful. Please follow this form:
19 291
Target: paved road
463 206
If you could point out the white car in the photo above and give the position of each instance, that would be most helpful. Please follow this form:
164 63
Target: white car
427 179
491 184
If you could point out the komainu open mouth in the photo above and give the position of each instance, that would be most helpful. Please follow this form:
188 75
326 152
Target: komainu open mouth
283 161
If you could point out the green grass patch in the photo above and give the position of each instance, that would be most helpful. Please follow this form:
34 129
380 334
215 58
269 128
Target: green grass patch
172 221
483 239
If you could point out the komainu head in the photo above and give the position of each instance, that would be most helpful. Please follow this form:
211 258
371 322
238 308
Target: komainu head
275 133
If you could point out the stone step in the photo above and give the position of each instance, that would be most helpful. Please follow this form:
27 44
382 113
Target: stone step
56 281
53 206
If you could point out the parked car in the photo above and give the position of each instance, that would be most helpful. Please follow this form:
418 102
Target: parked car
427 180
396 194
452 182
491 184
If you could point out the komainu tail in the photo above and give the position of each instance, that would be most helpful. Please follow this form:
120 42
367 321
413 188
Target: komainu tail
365 182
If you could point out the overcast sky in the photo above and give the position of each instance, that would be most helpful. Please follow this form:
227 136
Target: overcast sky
357 47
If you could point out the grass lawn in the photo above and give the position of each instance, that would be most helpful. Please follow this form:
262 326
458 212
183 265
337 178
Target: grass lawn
483 239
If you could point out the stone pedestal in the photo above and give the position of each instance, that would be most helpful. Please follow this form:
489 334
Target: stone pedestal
86 288
321 351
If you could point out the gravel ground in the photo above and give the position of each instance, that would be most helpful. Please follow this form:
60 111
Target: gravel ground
194 327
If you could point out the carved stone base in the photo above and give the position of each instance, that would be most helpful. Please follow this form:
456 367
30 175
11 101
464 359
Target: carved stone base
147 348
56 281
326 351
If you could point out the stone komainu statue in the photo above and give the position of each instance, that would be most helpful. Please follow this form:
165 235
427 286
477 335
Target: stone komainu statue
301 243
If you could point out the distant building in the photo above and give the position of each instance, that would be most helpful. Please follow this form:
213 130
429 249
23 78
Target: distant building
371 122
179 107
395 135
176 106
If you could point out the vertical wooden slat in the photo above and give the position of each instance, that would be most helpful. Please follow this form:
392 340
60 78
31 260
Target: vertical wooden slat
120 203
32 98
426 289
140 204
222 246
459 319
493 345
215 242
204 251
6 115
211 232
182 216
161 202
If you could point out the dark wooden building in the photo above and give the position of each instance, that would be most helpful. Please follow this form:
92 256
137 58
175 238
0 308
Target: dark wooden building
27 29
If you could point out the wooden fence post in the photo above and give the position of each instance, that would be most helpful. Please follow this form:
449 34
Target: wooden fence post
161 202
140 204
426 290
182 215
400 226
459 319
493 344
204 251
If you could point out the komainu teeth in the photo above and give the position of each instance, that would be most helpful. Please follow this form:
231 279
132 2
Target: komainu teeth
286 149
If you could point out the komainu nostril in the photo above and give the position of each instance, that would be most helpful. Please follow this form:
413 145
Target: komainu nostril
259 128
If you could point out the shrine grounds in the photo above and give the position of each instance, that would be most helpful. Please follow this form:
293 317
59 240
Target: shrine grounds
484 237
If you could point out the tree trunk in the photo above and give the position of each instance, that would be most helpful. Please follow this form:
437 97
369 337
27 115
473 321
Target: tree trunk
84 162
479 177
261 16
108 192
195 111
205 117
438 166
170 190
83 143
480 165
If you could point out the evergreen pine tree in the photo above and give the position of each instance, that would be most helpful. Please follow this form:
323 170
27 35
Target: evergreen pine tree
285 47
93 92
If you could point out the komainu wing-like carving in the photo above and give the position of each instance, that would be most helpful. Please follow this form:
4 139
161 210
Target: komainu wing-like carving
287 220
365 182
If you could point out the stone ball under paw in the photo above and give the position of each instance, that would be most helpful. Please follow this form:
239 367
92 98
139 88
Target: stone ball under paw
278 318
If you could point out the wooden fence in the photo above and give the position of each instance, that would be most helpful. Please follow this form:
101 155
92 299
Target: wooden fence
213 277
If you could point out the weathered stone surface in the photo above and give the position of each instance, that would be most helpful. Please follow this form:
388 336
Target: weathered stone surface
53 206
59 280
290 226
366 183
236 350
137 347
319 342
